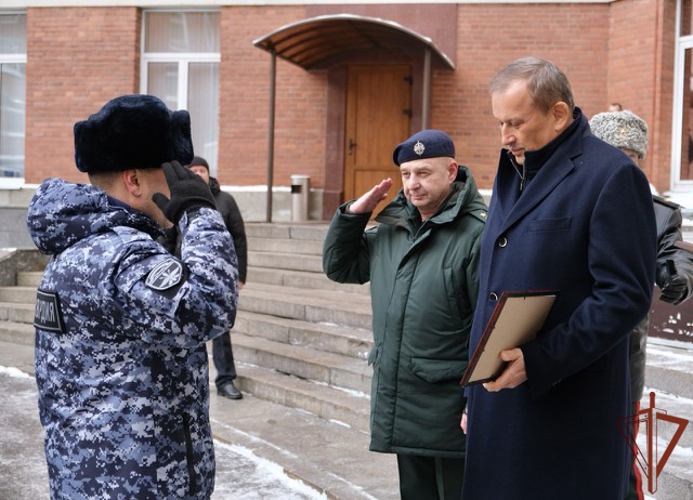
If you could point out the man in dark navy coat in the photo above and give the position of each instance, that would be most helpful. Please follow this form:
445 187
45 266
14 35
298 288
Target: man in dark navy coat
571 213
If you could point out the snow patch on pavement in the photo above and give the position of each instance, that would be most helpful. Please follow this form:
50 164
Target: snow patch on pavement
262 478
14 372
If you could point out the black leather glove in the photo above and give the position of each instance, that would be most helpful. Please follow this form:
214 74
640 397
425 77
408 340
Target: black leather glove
169 240
675 289
188 191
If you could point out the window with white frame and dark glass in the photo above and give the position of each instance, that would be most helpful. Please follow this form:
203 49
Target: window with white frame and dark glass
180 65
12 93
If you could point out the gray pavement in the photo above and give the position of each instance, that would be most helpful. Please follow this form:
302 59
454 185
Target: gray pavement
241 475
263 450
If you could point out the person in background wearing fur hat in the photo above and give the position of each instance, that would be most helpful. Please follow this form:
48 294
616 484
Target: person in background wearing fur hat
121 324
421 262
628 132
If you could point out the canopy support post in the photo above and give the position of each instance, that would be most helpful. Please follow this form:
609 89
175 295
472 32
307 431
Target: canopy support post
426 105
270 146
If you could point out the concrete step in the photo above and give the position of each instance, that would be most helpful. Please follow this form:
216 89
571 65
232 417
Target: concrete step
352 342
19 313
339 308
670 367
18 294
676 480
285 245
329 368
339 296
301 279
32 279
310 231
17 333
342 407
275 260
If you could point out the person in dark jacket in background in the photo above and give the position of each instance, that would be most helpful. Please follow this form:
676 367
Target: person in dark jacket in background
628 132
222 352
421 262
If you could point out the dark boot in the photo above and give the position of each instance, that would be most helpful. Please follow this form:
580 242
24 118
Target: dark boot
229 390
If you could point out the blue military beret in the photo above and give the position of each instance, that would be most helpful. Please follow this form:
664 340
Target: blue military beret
132 131
424 144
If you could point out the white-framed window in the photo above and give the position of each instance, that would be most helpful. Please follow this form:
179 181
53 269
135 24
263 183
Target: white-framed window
180 65
682 129
12 93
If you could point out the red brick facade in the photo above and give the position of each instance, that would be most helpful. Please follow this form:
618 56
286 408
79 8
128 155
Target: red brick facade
641 73
78 58
244 103
574 36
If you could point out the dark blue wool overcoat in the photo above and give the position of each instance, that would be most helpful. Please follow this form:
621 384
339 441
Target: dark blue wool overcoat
585 226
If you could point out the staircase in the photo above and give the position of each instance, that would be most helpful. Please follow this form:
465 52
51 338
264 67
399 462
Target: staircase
301 340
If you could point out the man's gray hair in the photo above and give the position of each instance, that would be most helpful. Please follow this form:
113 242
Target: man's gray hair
546 83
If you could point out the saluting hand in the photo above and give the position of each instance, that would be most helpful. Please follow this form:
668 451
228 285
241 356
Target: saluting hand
513 375
367 203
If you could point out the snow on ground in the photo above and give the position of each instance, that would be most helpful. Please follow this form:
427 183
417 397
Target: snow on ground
241 475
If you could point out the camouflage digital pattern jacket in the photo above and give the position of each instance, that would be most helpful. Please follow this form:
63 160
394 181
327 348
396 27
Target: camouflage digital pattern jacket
121 363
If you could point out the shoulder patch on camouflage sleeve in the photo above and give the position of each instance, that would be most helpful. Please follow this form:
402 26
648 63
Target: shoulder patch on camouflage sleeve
166 275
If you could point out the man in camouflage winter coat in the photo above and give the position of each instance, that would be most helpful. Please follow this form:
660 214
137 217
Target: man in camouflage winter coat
121 324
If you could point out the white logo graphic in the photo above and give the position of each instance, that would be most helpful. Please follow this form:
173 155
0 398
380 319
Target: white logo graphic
165 275
419 148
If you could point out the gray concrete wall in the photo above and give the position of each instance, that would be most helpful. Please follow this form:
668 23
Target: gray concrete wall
13 230
13 203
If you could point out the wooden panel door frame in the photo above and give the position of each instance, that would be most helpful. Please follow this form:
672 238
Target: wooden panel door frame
335 143
363 165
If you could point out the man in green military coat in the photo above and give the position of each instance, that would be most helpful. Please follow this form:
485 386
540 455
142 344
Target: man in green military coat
421 261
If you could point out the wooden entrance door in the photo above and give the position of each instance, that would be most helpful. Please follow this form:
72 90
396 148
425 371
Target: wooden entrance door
378 118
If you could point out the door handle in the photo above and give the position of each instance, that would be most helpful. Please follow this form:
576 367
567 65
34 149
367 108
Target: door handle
352 146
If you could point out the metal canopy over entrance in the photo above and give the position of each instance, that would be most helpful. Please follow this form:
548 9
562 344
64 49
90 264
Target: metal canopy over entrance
316 42
321 41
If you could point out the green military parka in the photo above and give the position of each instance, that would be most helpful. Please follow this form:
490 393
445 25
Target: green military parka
423 287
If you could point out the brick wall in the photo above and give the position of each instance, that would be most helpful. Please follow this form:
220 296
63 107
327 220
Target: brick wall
301 103
77 59
641 67
573 36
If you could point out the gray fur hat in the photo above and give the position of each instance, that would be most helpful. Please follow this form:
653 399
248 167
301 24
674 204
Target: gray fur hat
622 129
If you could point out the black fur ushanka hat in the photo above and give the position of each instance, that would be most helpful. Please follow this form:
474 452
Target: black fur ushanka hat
132 131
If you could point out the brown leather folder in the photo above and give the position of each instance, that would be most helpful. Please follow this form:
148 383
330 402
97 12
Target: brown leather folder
517 318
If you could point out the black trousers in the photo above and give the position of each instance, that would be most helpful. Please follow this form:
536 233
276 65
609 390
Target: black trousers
635 484
430 478
222 355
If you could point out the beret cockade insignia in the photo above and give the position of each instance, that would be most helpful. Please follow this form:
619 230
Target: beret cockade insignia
419 148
